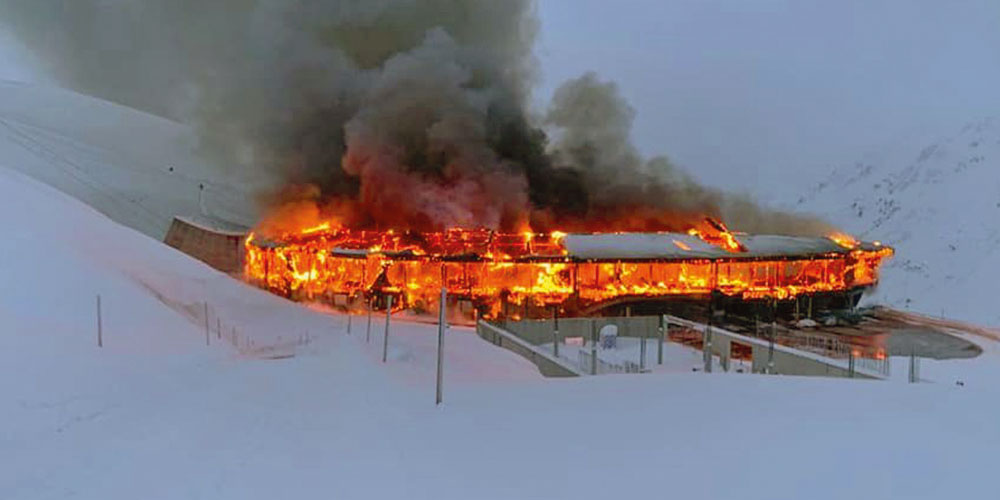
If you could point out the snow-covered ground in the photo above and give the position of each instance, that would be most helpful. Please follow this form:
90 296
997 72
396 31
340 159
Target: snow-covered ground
937 200
158 414
136 168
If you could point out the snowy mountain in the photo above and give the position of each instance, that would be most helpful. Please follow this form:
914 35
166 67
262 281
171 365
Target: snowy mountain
138 169
938 203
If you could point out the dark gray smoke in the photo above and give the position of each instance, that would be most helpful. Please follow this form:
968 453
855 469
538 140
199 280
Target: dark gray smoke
384 113
592 123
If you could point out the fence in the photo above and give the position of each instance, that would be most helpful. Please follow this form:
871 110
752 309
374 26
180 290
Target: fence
586 364
864 357
772 357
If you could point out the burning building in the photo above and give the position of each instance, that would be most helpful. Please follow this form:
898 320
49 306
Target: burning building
508 275
418 116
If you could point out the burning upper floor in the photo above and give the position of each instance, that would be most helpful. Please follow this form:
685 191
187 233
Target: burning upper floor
570 272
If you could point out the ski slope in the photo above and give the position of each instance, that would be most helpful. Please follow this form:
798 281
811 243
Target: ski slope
136 168
158 414
937 201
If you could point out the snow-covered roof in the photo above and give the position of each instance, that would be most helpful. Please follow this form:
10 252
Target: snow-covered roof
214 225
669 246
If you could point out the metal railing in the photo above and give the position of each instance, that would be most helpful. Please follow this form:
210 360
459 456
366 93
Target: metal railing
586 363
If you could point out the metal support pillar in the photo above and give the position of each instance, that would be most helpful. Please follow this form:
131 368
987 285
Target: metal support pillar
662 331
385 336
442 308
593 347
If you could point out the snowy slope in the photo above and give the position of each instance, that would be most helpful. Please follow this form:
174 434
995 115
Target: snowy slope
938 203
138 169
157 414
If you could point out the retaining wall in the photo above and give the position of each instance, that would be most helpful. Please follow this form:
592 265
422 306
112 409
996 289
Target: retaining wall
549 365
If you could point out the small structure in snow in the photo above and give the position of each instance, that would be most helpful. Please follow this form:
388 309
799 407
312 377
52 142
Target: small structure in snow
215 242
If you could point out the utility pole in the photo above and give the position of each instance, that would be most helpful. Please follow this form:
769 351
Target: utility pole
442 308
385 337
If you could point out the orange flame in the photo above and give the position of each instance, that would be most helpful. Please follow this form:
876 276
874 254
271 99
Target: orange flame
847 241
499 271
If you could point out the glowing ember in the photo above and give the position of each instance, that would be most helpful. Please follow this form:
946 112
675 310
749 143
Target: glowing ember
847 241
496 271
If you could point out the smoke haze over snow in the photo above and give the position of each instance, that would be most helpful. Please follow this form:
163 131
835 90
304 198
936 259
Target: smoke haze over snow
389 113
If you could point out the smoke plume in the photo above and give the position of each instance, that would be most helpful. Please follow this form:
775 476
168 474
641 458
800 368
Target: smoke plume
408 114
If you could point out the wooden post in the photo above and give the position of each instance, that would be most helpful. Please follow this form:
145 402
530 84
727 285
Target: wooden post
100 325
349 317
208 333
385 337
442 309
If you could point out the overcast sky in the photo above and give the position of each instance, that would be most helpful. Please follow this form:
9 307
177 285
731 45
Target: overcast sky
741 92
744 91
13 64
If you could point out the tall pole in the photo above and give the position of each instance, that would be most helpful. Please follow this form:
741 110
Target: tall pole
555 332
349 316
385 337
707 340
441 326
208 333
662 332
593 347
100 326
774 330
368 332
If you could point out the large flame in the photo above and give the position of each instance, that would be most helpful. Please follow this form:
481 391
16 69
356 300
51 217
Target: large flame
497 271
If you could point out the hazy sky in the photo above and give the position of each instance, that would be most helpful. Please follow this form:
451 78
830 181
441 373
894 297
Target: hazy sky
13 64
743 92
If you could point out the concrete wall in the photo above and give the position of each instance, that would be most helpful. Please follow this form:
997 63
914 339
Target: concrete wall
539 332
223 250
546 363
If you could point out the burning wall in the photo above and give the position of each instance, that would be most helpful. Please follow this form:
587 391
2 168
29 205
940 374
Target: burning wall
514 274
